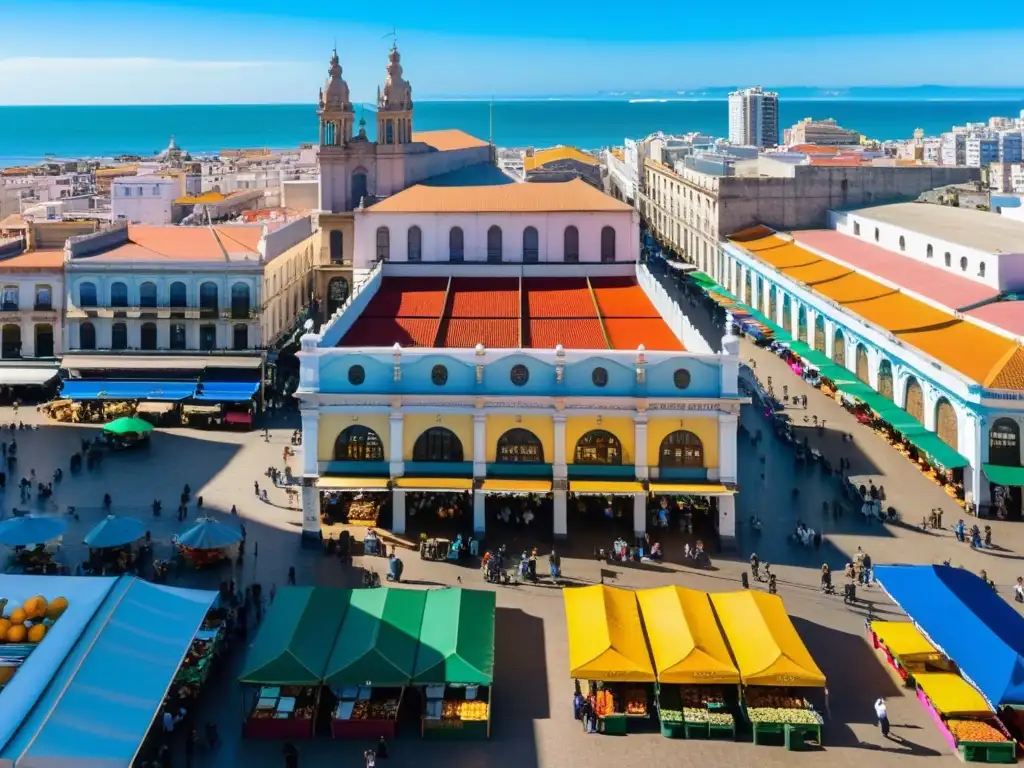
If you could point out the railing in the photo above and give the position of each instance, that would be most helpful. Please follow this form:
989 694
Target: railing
42 307
357 290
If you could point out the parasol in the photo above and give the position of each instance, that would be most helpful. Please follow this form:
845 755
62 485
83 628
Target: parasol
115 531
30 529
128 425
208 533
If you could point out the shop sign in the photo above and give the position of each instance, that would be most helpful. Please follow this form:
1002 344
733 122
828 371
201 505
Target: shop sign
706 406
785 679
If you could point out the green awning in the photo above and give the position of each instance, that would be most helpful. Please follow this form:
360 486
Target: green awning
836 373
899 419
1004 475
936 450
703 279
457 638
859 390
378 639
295 640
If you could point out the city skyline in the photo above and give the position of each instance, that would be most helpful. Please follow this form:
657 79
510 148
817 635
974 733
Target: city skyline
258 52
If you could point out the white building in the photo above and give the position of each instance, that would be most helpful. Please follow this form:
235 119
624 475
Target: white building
822 132
30 303
953 149
145 199
980 152
754 118
1007 177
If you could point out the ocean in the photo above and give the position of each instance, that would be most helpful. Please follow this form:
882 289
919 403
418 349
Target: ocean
27 134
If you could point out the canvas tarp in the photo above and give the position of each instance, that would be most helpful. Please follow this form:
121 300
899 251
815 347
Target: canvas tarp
606 639
764 642
951 694
903 639
456 638
686 643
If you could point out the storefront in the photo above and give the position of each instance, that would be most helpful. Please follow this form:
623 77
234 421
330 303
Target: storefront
353 500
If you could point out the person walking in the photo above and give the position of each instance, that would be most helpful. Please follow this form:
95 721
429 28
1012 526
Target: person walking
883 717
291 576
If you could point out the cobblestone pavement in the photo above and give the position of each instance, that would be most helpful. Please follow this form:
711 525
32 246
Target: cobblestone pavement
532 724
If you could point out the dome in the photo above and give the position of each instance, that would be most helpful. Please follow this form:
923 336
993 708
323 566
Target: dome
397 93
335 92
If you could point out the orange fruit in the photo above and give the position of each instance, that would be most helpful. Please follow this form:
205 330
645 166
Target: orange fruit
17 634
37 633
35 607
6 673
18 616
4 626
56 607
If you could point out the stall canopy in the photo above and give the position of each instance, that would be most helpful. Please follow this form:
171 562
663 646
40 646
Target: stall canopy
964 619
606 639
903 639
115 531
227 391
30 529
207 533
1004 475
353 483
296 637
456 638
378 638
100 389
951 694
686 643
764 642
932 445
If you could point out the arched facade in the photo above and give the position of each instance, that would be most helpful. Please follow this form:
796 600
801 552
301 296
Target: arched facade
337 249
456 244
438 444
148 294
885 384
44 340
531 245
383 243
571 245
178 294
519 446
598 447
11 340
358 443
209 298
839 348
801 324
119 294
337 293
773 308
819 334
946 426
787 314
494 244
681 449
863 367
913 400
87 336
1004 443
119 336
240 302
607 244
147 336
414 244
359 187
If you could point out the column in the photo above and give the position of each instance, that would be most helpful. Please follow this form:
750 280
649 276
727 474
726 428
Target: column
727 426
396 431
398 511
753 298
192 335
479 445
561 527
559 469
640 446
727 521
742 293
812 324
830 338
780 306
28 338
479 514
310 512
310 441
639 515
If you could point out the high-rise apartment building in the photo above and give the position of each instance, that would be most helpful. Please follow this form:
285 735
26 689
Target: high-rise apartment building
824 132
979 152
754 118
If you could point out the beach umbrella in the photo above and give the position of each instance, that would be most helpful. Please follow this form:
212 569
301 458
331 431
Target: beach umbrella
128 425
207 533
115 531
30 529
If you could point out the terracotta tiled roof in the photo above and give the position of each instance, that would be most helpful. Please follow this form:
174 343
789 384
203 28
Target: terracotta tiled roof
554 154
567 196
467 333
837 162
408 297
570 332
561 297
33 260
496 298
814 149
1011 375
448 140
170 243
385 332
631 332
622 297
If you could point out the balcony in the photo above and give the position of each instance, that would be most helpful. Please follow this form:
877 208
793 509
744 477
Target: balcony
9 306
135 312
43 306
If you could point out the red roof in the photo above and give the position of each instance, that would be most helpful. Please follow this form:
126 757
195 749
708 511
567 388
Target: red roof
387 331
571 333
622 297
467 333
814 149
483 298
558 297
408 297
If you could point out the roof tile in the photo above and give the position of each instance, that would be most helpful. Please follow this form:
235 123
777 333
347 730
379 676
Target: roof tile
631 332
546 197
571 333
495 297
466 333
622 297
558 297
386 332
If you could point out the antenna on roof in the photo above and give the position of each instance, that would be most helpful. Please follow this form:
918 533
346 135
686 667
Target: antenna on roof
393 34
490 122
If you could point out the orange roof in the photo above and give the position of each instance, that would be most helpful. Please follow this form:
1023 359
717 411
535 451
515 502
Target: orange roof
385 332
447 140
495 297
34 260
171 243
570 332
814 149
558 297
206 197
575 195
837 162
621 297
981 355
466 333
555 154
631 332
408 297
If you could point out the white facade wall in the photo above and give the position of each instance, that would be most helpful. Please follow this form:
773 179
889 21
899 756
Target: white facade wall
25 298
144 199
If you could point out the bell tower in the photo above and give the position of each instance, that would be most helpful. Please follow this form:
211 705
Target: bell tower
394 104
334 108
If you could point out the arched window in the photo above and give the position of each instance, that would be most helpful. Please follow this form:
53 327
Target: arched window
383 243
337 294
414 250
147 294
946 426
876 234
240 336
885 388
963 263
571 245
359 188
839 349
531 246
44 340
929 251
494 244
681 449
10 340
1004 443
819 333
329 134
118 294
981 269
337 242
607 244
913 400
599 447
178 294
456 244
862 364
209 299
239 301
437 444
87 336
856 229
119 336
147 336
358 443
948 258
519 446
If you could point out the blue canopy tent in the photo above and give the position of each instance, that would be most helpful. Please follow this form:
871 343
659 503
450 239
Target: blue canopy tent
208 533
966 620
115 531
30 529
102 389
227 391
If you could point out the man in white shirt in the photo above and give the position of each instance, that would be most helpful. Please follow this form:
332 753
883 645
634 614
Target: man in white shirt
883 717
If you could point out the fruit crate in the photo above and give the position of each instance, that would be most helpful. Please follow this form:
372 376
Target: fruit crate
716 731
672 729
696 729
987 751
768 732
612 725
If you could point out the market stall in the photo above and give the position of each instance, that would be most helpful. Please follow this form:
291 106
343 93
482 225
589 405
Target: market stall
208 541
607 649
906 651
698 684
34 540
127 432
964 718
774 665
454 667
373 661
353 500
285 664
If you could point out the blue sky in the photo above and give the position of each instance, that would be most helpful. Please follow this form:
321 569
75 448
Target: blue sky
253 51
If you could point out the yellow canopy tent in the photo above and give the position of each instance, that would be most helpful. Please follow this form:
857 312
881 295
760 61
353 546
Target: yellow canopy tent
764 642
606 640
687 645
903 639
951 694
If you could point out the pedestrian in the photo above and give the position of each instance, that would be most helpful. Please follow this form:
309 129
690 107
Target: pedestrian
291 577
370 758
234 510
883 717
1018 590
382 749
291 755
256 486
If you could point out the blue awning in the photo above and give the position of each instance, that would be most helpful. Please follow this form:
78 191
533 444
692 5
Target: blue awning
100 389
227 391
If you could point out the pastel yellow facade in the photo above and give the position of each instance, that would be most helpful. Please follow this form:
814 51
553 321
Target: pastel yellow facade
577 426
541 426
415 424
705 428
333 424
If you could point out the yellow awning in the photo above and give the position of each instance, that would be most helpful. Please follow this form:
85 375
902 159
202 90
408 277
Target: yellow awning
951 694
692 489
353 483
686 643
497 485
605 486
435 483
606 639
764 642
903 639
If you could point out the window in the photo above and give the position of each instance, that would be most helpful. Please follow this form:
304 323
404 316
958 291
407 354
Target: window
519 446
571 245
147 295
336 240
1004 443
337 294
414 248
876 234
177 340
239 301
681 378
140 191
681 449
127 192
358 443
607 244
856 228
903 243
178 294
87 336
383 243
356 375
948 259
240 336
437 444
10 340
929 251
44 297
329 134
44 340
599 447
207 337
494 244
519 375
118 294
148 336
359 188
599 377
10 298
531 245
119 336
981 269
963 263
456 247
439 375
209 300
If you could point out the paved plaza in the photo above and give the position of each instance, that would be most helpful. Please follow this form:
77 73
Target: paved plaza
532 712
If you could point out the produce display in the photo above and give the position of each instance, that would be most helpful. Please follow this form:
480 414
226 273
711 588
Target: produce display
974 730
671 716
288 702
701 695
362 509
375 710
695 715
604 703
463 710
22 628
724 719
786 715
774 697
636 701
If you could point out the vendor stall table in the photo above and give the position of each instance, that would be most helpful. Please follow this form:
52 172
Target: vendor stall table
282 712
366 713
906 651
964 719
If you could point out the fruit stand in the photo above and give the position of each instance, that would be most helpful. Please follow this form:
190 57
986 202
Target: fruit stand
208 542
698 683
607 648
905 650
373 660
774 665
454 667
359 506
964 719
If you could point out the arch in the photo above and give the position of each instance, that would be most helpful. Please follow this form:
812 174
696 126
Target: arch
178 294
360 188
44 340
329 134
598 447
963 263
119 294
456 244
240 336
438 444
337 246
819 334
358 443
571 245
531 246
1004 443
787 313
10 340
839 348
209 299
337 294
519 446
494 243
147 294
383 243
607 243
681 449
147 336
414 244
119 336
773 309
240 301
863 368
913 399
946 426
981 269
885 386
747 287
801 324
903 243
87 336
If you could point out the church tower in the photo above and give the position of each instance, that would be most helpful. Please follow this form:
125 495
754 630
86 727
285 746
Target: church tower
335 109
394 105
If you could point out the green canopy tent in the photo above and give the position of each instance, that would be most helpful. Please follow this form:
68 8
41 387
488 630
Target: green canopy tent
128 425
937 451
1001 475
456 638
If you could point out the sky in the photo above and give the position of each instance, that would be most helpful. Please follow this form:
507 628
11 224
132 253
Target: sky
276 51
